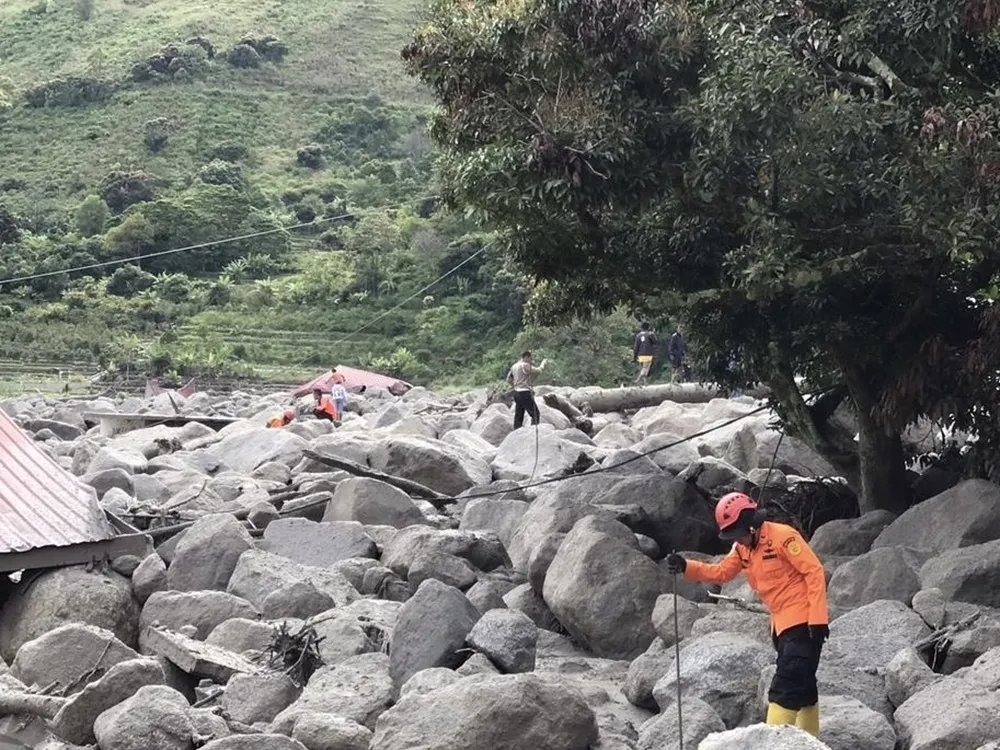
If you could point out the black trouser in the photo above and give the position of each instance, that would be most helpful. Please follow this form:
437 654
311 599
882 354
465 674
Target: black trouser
524 401
794 684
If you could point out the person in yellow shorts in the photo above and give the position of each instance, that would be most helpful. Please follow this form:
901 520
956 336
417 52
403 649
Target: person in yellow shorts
788 577
642 352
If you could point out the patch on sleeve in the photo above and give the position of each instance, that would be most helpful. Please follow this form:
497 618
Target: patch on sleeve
793 547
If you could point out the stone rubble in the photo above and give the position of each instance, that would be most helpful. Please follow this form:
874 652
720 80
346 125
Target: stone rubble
502 617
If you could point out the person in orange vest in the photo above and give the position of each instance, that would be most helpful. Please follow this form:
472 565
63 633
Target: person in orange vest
323 407
788 577
283 420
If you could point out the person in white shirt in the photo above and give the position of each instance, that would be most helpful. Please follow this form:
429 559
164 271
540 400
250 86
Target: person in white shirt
339 395
522 377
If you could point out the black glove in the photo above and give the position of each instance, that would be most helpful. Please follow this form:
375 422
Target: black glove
819 632
676 564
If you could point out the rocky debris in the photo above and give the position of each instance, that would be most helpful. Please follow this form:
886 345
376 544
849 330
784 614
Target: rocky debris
967 514
722 669
251 698
494 513
884 573
482 549
203 610
645 671
663 617
720 618
241 635
507 638
848 724
519 458
363 626
906 675
970 574
328 732
155 716
207 555
596 565
950 713
259 573
255 742
244 450
793 457
299 600
44 601
523 599
662 732
429 679
317 544
370 501
70 655
75 720
432 463
195 657
850 536
870 636
762 737
488 594
358 689
430 631
501 712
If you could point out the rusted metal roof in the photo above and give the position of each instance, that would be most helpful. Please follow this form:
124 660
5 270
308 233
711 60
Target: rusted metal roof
42 504
353 379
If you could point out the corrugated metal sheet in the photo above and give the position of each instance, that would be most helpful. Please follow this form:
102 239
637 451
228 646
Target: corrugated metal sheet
353 378
42 504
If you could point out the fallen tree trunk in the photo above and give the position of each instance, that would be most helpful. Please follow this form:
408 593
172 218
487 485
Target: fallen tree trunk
406 485
46 706
574 415
620 399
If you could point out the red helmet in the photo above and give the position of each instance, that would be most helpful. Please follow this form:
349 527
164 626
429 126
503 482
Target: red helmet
289 414
733 513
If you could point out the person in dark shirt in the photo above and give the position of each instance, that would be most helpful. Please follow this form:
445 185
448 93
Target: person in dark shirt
642 352
676 354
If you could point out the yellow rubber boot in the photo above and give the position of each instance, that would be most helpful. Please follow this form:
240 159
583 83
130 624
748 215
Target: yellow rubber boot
777 714
808 719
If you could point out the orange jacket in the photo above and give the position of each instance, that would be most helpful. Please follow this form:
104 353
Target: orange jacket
276 422
326 405
782 569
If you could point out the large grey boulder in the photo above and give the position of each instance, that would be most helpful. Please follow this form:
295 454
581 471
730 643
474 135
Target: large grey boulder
663 732
712 474
645 671
156 716
524 599
61 430
519 458
149 577
241 635
259 573
449 569
66 654
850 536
847 724
317 544
793 456
131 462
500 712
596 566
540 560
250 698
488 594
507 638
358 689
205 610
671 452
43 602
437 465
884 573
74 721
300 600
370 501
254 742
494 424
663 617
722 669
717 619
906 675
617 435
949 714
494 513
207 555
762 737
245 450
869 637
328 732
430 631
482 549
471 443
970 574
967 514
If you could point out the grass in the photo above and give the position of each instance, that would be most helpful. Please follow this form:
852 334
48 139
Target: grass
337 49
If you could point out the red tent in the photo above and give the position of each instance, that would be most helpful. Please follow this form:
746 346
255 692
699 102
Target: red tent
354 380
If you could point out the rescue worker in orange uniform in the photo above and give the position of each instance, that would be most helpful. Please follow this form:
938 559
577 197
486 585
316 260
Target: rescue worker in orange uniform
788 577
283 420
323 407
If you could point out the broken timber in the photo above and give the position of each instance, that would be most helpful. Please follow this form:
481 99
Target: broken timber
406 485
196 657
620 399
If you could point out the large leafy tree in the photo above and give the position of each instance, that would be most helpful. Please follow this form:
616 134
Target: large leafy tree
814 184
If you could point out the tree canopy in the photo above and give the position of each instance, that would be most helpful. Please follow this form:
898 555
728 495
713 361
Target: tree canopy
813 184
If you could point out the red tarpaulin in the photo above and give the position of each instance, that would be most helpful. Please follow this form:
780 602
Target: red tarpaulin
354 380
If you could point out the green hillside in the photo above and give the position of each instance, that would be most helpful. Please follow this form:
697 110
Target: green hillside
136 127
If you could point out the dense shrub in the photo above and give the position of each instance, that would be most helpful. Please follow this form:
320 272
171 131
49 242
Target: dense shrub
72 91
85 9
218 172
91 216
10 226
128 280
268 47
244 56
231 152
310 156
175 62
121 188
156 133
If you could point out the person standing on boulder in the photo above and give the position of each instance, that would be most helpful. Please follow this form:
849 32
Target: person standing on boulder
677 354
642 352
522 376
788 577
